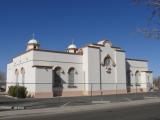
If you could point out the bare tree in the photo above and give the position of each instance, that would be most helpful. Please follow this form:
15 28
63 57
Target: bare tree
152 30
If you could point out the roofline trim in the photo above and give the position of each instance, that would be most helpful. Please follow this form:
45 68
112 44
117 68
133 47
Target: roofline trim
43 50
120 50
143 60
149 71
97 44
116 47
52 51
41 66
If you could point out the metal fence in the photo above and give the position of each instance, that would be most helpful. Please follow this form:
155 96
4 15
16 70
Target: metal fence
60 94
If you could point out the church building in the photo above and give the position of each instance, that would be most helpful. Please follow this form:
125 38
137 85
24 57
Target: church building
98 69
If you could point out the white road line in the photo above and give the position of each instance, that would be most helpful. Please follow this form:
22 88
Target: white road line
65 104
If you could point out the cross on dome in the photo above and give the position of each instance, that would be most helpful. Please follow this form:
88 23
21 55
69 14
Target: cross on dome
72 46
33 40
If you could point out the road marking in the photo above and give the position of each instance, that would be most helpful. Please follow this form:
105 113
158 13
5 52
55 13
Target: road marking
65 104
100 102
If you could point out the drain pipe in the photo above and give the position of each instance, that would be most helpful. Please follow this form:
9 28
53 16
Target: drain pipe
100 71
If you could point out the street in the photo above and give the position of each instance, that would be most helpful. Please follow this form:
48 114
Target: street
141 112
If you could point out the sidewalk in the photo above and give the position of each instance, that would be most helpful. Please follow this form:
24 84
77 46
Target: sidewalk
71 109
6 103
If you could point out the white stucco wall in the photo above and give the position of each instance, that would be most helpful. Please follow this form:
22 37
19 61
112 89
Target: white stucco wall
85 69
65 61
142 67
120 70
108 79
134 66
43 80
91 68
22 61
10 75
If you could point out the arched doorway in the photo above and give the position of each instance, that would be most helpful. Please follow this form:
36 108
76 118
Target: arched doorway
57 82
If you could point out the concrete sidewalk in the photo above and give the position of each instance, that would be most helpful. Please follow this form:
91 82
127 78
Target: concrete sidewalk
71 109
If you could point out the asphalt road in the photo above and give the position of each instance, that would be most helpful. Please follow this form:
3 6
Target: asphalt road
142 112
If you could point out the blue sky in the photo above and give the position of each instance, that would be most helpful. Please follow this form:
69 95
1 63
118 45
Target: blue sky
56 22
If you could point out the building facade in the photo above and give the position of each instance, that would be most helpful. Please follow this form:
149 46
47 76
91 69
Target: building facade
94 69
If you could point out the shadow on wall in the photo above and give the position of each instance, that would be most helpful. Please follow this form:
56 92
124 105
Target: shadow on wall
57 86
128 73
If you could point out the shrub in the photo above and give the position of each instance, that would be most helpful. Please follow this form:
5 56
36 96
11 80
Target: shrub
17 91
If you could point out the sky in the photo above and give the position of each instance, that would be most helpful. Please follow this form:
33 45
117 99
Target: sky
56 23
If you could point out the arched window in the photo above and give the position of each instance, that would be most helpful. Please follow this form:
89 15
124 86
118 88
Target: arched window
71 73
137 78
16 74
107 61
23 75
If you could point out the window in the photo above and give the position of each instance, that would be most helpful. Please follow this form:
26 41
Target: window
23 75
107 64
71 74
16 74
107 61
